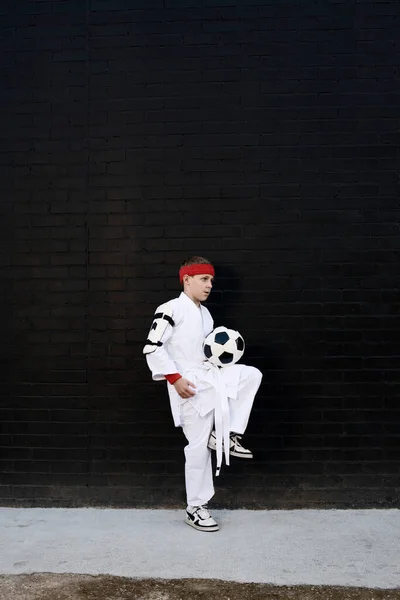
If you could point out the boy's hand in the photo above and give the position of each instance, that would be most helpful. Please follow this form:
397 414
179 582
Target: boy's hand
184 387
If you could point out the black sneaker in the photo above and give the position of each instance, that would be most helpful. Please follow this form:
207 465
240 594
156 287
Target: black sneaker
199 518
235 447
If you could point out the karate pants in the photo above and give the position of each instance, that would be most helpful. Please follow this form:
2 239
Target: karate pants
197 429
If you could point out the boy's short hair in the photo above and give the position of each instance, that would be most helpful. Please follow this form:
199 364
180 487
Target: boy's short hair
195 260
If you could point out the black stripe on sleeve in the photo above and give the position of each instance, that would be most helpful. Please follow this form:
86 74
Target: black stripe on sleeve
166 317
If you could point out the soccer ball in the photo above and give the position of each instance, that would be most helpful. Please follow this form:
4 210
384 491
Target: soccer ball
223 347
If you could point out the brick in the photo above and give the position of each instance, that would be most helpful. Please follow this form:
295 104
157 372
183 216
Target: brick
203 138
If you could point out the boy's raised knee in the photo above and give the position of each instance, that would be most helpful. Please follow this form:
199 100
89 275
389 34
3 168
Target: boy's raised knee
256 374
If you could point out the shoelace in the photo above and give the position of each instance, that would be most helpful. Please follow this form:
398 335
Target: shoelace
234 438
202 512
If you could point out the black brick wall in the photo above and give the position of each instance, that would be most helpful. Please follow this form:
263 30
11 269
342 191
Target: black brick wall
262 134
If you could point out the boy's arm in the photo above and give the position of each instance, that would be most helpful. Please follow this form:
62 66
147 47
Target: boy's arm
160 363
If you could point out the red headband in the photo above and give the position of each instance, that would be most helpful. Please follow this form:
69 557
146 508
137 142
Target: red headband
198 269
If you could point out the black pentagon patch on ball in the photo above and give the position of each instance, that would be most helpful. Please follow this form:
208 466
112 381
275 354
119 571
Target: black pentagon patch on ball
207 350
240 343
221 338
154 326
226 358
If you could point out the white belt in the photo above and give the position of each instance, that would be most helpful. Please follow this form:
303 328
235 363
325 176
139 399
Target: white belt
221 411
222 422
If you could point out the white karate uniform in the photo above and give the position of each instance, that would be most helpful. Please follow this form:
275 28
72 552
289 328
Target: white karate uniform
224 397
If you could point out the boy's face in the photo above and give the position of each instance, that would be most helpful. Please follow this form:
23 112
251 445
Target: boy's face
198 287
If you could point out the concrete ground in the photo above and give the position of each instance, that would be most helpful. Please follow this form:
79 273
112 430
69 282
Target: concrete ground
353 548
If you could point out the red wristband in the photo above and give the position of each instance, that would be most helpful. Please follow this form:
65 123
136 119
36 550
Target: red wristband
172 377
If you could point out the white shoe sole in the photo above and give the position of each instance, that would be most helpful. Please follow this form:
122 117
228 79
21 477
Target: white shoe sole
206 529
233 453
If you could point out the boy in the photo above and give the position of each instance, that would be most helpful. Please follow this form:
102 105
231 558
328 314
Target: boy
201 395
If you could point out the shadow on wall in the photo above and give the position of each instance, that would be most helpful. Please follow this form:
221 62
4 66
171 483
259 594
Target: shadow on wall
277 413
225 294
